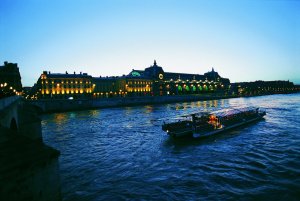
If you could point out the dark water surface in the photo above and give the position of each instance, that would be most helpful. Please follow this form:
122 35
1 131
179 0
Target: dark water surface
122 154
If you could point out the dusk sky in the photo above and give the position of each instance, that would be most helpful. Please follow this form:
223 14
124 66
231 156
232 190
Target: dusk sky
243 40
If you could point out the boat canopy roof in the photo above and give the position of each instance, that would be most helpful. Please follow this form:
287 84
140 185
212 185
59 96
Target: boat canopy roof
185 117
198 114
219 113
232 111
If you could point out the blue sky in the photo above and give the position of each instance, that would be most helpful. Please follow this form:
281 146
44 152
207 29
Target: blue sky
243 40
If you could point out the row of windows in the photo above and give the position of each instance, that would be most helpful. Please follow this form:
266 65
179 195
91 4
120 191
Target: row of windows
69 81
89 83
139 90
138 82
106 93
138 85
191 85
66 86
65 91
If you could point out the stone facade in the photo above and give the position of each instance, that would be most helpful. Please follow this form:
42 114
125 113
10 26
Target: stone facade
29 169
10 80
62 86
263 87
151 81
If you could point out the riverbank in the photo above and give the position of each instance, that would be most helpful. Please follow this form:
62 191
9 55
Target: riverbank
57 105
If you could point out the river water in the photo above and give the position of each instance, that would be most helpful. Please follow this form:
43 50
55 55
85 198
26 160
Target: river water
122 153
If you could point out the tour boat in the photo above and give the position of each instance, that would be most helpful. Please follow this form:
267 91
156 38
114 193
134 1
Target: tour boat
205 124
183 125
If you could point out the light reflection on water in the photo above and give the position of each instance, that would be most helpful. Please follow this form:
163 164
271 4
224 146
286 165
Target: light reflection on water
122 153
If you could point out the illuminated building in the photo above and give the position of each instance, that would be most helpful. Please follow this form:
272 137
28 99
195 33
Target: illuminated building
151 81
10 80
10 74
138 85
167 83
62 86
262 87
130 85
105 87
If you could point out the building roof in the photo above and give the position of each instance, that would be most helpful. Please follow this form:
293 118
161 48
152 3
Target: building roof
152 72
66 75
183 76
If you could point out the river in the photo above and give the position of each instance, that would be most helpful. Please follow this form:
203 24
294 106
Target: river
122 153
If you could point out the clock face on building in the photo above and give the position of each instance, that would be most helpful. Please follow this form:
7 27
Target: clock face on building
161 76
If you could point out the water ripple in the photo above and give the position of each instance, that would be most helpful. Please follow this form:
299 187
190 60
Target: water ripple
122 154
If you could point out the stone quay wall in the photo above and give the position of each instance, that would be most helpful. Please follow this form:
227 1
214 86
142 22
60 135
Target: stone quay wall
63 105
48 106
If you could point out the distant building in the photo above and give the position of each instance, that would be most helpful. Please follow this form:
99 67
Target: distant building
10 74
151 81
168 83
62 86
26 92
262 87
